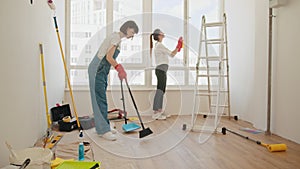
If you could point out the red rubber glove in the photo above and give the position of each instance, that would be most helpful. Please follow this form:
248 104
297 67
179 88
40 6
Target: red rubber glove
179 44
121 72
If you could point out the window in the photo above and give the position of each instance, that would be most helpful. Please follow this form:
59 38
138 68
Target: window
131 49
170 20
90 21
212 11
87 20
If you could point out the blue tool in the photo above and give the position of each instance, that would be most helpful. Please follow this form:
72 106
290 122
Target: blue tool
127 127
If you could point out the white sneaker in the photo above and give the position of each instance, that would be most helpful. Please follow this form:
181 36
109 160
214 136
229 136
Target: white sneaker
112 128
114 131
166 114
159 116
109 136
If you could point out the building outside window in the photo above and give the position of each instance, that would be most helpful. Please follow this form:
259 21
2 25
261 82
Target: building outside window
89 26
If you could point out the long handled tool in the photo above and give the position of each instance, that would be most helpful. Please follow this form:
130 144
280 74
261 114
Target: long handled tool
130 126
53 7
49 140
146 131
49 134
66 72
270 147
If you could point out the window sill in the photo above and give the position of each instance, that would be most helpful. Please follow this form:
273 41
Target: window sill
169 88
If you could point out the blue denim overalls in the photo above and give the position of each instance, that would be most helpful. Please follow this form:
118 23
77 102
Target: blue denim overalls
98 72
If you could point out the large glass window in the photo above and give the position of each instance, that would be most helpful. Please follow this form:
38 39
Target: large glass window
169 19
87 23
90 21
131 49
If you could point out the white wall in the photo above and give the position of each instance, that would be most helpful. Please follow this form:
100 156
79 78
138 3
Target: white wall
241 41
23 27
286 78
248 44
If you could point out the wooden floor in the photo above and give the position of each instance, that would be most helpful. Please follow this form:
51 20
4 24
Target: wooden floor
170 147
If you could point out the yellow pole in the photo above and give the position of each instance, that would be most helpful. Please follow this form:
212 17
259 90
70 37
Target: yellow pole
66 72
44 85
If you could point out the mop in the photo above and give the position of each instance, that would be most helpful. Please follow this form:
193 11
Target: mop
127 127
146 131
270 147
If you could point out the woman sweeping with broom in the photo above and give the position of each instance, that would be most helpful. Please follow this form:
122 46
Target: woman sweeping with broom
98 71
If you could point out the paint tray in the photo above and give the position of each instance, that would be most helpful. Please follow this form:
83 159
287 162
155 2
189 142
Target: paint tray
79 165
130 127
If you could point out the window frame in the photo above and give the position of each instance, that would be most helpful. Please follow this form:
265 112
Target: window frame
147 27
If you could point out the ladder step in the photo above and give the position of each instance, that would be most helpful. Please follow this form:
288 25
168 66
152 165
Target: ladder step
213 40
206 94
213 105
213 58
211 91
208 68
212 75
221 91
214 24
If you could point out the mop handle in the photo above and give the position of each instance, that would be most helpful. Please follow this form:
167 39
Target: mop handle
137 112
123 100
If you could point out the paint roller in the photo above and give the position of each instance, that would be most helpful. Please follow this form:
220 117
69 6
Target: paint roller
270 147
51 5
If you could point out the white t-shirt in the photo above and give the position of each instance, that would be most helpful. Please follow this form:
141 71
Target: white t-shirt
113 39
161 54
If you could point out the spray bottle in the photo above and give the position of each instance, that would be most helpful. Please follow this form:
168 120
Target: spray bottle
80 147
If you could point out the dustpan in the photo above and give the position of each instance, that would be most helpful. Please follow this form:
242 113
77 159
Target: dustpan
127 127
130 127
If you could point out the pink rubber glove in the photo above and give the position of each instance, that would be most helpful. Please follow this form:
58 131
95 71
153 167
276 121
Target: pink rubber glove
179 44
121 72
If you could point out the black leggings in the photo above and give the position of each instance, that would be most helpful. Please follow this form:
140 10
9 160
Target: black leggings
161 74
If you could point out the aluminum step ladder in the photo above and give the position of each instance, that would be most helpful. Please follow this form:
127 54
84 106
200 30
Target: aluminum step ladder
212 75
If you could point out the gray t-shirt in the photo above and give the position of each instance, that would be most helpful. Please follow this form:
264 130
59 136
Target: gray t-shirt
113 39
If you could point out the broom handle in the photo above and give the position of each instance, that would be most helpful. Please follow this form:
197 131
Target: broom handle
123 100
135 105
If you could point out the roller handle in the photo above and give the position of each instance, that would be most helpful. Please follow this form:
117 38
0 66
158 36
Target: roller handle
41 48
246 137
55 22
